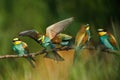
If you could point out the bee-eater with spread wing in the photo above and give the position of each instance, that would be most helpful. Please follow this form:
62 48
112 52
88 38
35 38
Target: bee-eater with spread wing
46 40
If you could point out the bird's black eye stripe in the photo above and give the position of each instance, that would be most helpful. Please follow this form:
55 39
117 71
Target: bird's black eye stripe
15 40
100 31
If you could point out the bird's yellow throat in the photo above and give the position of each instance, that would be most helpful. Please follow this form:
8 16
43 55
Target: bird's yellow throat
102 33
42 38
87 28
17 42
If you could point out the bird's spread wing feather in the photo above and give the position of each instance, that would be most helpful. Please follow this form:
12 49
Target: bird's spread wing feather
58 38
56 28
30 33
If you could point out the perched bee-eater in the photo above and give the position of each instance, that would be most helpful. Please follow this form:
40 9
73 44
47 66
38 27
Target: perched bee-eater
82 39
49 37
83 36
107 39
20 48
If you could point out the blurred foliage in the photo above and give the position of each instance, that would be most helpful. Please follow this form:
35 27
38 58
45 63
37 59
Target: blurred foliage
19 15
102 66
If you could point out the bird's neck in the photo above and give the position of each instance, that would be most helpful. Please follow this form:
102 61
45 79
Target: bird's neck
17 43
104 36
40 39
88 31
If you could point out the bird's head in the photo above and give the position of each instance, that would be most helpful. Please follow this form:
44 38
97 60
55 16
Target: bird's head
16 41
84 28
101 32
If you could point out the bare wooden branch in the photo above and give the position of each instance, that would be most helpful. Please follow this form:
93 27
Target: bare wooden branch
31 54
109 51
56 49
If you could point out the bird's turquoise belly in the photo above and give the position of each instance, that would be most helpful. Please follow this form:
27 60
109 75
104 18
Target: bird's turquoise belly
64 43
19 49
45 44
105 41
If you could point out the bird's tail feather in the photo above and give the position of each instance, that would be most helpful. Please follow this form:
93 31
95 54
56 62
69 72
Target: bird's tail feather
54 55
77 54
32 61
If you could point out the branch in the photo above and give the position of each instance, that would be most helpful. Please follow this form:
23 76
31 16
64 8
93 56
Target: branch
109 51
56 49
32 54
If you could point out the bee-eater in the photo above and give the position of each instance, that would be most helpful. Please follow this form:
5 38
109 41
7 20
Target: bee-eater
107 39
46 39
82 38
20 48
63 40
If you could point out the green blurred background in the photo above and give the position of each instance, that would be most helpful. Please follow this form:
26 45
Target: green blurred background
19 15
16 16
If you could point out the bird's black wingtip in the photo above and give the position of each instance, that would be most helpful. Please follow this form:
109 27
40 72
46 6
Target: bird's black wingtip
26 32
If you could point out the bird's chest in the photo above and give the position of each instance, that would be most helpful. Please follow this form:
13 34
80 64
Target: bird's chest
46 42
106 42
19 49
104 39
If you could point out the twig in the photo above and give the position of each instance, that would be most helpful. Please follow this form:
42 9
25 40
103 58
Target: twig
31 54
114 52
56 49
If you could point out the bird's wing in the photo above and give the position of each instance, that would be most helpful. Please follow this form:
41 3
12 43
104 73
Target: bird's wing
64 36
112 39
56 40
85 39
60 37
29 58
80 37
13 47
30 33
25 46
58 27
